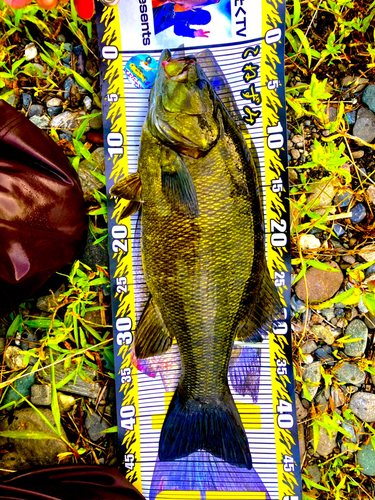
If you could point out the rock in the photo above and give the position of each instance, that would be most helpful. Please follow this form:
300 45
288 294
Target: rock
321 285
358 213
95 425
41 395
339 230
364 127
326 444
39 70
347 80
91 67
87 102
370 322
321 401
309 347
295 154
88 182
35 452
349 373
356 330
75 385
301 441
347 441
314 473
65 402
362 405
14 358
309 241
96 123
338 397
349 259
80 64
309 359
78 49
48 303
35 110
22 385
26 100
328 313
67 137
368 97
95 137
40 121
358 154
324 357
366 459
13 100
54 102
54 111
371 193
297 138
351 117
68 84
30 51
61 38
296 304
301 411
29 341
67 120
311 375
323 333
368 253
95 254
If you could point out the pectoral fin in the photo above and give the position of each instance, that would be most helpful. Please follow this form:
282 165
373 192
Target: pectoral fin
151 336
177 184
128 188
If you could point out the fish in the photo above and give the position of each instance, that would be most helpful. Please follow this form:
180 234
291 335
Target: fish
137 72
203 255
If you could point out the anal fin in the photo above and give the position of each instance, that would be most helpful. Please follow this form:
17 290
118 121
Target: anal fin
151 336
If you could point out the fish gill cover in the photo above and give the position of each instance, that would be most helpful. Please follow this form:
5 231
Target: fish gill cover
195 136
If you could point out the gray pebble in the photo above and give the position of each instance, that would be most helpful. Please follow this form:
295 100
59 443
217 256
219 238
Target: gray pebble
314 472
309 347
41 395
311 375
30 51
87 102
97 122
368 97
296 304
55 101
362 405
328 313
358 213
95 425
364 127
54 111
35 110
295 154
349 259
67 120
349 373
68 85
13 100
343 199
366 459
40 121
26 100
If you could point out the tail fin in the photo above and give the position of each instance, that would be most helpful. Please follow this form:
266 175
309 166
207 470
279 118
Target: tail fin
191 425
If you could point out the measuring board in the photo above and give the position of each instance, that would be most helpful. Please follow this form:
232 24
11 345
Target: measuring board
240 46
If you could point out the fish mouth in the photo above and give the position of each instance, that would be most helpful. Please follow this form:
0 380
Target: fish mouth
178 70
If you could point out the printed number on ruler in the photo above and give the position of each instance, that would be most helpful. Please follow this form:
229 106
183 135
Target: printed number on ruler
288 463
115 141
281 367
129 461
284 414
127 417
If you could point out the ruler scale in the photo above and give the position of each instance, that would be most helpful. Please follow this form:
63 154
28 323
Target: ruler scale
243 59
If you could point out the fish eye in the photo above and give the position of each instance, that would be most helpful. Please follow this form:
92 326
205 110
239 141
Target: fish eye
201 84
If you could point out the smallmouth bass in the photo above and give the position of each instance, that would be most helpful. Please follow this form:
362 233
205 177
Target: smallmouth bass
203 255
